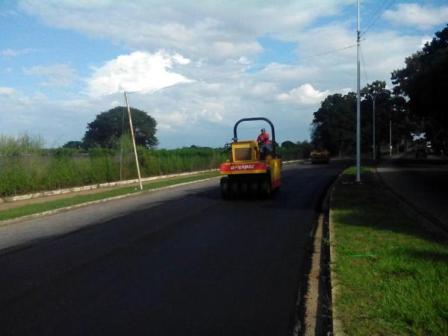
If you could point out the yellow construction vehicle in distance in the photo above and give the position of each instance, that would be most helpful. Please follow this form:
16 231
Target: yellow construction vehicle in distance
250 171
320 156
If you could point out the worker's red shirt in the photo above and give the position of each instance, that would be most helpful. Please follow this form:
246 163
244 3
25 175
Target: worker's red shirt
264 138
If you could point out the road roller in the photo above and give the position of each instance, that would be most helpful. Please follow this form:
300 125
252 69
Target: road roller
253 169
320 156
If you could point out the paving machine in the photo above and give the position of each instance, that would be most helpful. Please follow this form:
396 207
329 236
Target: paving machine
251 169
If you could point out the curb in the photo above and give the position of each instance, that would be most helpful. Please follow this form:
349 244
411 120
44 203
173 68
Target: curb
81 205
42 194
103 185
314 277
96 186
334 288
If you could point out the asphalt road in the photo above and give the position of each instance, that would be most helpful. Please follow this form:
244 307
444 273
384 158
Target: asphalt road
422 183
177 262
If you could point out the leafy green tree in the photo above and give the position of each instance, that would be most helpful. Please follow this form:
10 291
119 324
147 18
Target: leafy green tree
333 125
288 144
424 81
291 151
73 145
388 108
108 127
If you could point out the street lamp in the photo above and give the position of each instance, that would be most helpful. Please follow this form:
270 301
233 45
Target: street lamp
358 101
390 137
373 125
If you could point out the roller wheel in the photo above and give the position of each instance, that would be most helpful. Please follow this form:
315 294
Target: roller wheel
244 188
253 188
225 189
234 188
265 187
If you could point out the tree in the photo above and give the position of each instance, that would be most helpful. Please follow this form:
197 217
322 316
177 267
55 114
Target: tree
424 82
388 108
288 144
108 127
333 125
73 144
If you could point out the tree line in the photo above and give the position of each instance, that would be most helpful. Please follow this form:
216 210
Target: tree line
110 129
416 105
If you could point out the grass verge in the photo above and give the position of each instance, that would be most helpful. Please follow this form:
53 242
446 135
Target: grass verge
392 274
31 209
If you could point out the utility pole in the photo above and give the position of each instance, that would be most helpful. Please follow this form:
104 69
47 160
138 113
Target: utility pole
358 105
133 141
373 122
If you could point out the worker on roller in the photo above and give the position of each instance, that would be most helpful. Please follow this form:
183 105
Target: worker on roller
264 142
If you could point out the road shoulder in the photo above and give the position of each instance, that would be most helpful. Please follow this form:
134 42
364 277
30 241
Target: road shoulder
386 267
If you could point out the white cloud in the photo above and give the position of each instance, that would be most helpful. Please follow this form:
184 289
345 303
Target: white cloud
381 53
137 72
55 75
7 91
216 47
304 94
14 52
412 14
424 40
212 29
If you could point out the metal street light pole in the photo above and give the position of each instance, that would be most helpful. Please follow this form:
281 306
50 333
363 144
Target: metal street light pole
358 106
373 122
390 137
133 141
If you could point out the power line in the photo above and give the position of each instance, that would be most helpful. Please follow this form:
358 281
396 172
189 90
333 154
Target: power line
382 8
330 51
376 12
364 65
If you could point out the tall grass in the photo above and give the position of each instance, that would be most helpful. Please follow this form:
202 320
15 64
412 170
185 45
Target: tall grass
26 167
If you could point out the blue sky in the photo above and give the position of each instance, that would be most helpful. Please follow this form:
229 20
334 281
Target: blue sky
196 67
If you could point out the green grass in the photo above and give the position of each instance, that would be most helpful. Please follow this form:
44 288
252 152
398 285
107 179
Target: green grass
392 273
26 168
78 199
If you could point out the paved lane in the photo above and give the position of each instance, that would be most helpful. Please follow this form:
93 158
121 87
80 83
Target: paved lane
180 262
421 184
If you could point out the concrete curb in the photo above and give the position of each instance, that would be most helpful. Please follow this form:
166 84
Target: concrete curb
55 211
106 185
338 329
314 277
80 205
97 186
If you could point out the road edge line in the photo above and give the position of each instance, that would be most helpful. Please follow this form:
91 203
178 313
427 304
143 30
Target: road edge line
103 185
103 200
313 283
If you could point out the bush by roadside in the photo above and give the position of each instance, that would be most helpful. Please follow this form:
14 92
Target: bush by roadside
26 167
391 272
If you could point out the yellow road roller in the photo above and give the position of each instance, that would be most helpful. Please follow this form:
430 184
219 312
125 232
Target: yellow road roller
252 169
320 156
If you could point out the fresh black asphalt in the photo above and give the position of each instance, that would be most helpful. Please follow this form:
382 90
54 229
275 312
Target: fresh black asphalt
184 264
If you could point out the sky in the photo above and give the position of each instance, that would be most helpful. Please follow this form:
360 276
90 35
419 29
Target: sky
196 66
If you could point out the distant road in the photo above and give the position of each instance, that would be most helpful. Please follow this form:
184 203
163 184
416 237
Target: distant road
422 184
177 262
